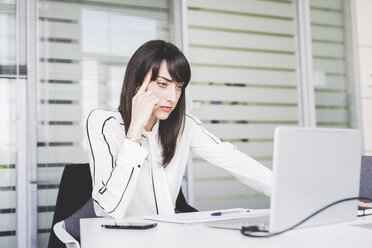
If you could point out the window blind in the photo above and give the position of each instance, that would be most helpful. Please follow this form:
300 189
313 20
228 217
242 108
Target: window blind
333 98
244 63
84 47
9 77
8 142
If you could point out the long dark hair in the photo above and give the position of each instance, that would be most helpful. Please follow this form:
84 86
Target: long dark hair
149 57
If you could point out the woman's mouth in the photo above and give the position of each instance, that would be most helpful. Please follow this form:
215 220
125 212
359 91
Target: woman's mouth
166 109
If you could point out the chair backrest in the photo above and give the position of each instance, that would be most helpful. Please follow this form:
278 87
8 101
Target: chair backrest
181 204
366 177
75 190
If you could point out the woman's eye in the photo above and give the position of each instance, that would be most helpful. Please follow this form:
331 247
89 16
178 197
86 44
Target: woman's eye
162 84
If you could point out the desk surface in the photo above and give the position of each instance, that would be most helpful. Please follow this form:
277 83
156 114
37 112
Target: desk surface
342 235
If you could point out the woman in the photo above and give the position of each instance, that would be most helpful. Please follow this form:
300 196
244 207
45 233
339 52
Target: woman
139 153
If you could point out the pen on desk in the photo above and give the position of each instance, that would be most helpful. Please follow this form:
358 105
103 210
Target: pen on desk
229 212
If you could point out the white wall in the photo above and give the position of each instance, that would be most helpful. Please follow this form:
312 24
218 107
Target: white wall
364 36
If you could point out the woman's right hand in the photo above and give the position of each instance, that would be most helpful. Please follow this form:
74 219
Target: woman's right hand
143 104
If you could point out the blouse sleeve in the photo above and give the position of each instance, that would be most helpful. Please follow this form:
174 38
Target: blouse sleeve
228 157
115 163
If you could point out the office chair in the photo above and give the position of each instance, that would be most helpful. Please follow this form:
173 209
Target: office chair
75 190
74 202
366 177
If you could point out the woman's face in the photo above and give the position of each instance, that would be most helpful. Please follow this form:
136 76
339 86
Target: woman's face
168 91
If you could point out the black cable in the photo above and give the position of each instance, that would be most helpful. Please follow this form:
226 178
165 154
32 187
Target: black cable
248 230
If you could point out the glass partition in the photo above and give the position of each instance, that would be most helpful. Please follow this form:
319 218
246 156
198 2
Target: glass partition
331 77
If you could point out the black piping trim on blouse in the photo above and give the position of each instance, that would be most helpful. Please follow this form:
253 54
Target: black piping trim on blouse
153 189
108 179
202 128
103 189
108 145
117 111
130 177
90 145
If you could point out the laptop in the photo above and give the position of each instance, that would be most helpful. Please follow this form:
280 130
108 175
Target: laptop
312 167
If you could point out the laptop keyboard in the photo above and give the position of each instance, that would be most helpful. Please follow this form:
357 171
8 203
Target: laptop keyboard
236 224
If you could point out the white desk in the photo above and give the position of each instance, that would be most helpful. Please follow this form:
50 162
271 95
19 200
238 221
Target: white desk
342 235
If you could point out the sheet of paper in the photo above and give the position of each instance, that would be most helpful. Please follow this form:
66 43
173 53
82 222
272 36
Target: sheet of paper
206 216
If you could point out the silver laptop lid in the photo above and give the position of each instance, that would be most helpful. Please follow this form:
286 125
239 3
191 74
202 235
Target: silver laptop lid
313 167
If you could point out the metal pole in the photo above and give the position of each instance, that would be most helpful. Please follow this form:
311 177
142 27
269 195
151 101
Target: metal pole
26 130
306 86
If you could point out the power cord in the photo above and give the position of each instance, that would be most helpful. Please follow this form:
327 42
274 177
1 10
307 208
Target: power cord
249 230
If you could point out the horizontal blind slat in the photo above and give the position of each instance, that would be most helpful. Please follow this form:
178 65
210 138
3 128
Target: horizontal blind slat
7 177
60 112
59 10
60 91
8 199
331 99
56 50
256 149
7 222
332 115
241 131
249 113
333 5
212 56
47 197
240 40
8 155
327 34
253 201
239 23
243 94
60 30
207 171
60 71
8 241
328 50
225 188
43 238
323 81
135 3
243 76
325 17
278 9
61 154
49 174
59 133
330 66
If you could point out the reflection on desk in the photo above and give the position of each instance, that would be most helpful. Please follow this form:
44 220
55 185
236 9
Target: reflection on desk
341 235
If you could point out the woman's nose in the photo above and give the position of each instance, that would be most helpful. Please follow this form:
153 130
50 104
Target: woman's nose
172 94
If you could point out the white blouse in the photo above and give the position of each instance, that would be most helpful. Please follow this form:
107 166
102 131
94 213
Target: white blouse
129 179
